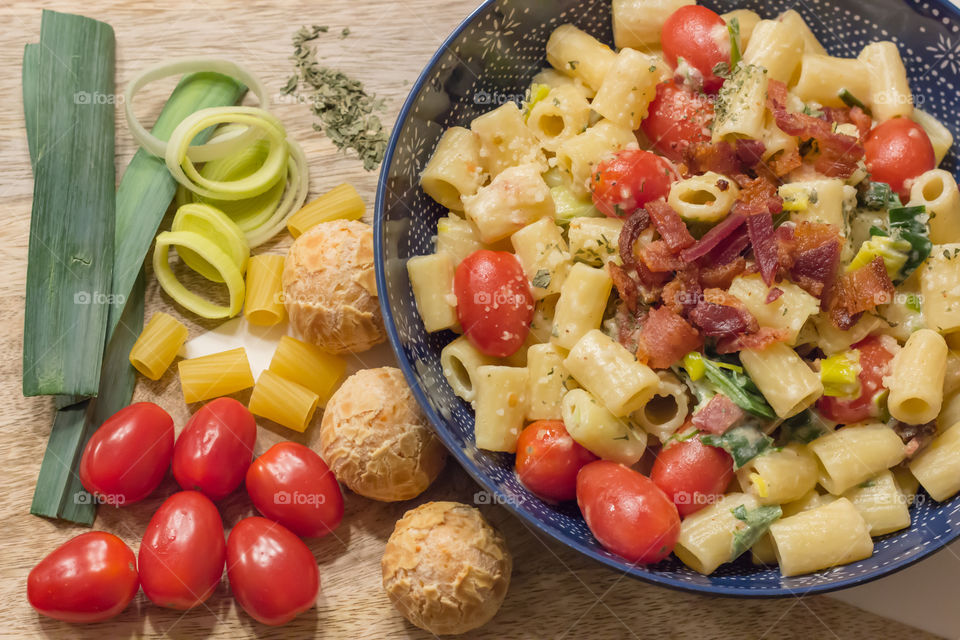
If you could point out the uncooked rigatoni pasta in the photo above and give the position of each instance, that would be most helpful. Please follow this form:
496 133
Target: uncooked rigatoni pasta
158 344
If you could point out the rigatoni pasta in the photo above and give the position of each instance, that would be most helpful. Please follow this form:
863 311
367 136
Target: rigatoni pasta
543 254
308 366
611 373
547 382
455 169
704 198
580 55
158 344
583 299
432 280
514 199
501 405
785 380
628 87
283 401
594 428
263 305
340 203
854 454
459 362
937 191
916 383
938 466
215 375
881 503
830 535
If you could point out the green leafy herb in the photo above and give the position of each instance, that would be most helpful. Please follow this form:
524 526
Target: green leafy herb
853 101
805 427
757 523
542 279
876 195
733 28
743 443
910 224
738 386
812 111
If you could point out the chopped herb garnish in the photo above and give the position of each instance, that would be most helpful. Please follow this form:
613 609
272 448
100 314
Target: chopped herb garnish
743 443
757 522
853 101
542 279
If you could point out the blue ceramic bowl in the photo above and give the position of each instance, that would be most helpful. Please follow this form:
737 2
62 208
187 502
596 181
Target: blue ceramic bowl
490 59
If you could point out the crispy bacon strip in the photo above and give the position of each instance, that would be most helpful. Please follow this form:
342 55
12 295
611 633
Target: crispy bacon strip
682 294
711 239
813 258
721 276
632 228
701 157
665 338
773 295
659 258
626 286
720 315
718 416
729 249
785 162
859 291
763 239
669 225
760 340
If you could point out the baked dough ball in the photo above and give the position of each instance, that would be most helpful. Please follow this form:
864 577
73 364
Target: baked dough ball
445 568
376 439
329 288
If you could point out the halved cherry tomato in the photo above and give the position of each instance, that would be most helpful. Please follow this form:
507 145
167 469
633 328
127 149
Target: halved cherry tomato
183 551
128 456
273 575
214 450
292 485
692 474
700 37
548 460
629 180
626 512
494 303
896 151
676 118
874 365
89 578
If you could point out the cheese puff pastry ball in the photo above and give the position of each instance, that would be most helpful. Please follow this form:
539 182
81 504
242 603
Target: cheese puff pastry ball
445 568
329 288
376 439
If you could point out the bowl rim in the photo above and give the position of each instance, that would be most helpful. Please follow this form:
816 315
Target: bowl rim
636 571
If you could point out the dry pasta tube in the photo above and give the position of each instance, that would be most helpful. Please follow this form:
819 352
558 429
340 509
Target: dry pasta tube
828 536
308 366
340 203
285 402
264 302
158 344
215 375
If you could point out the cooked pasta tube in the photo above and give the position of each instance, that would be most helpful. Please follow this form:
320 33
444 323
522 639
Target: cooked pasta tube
916 383
708 537
517 197
703 198
940 136
784 379
823 78
638 23
158 344
781 475
455 169
666 409
939 280
854 454
595 241
308 366
562 114
594 428
629 87
742 104
459 362
796 22
457 238
505 140
340 203
937 191
215 375
748 21
938 466
431 278
789 312
580 55
777 47
611 373
762 552
547 383
544 256
889 95
263 305
827 536
583 298
881 503
949 413
579 155
286 403
501 405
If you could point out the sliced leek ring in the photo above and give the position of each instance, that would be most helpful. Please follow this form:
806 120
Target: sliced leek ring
215 257
215 226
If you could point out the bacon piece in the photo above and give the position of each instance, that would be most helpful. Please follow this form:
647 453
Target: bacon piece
721 276
665 338
658 257
718 416
859 291
839 153
750 152
651 281
915 436
814 258
682 294
632 228
852 115
669 225
785 162
786 246
712 238
720 315
729 249
625 284
763 239
773 295
701 157
758 196
760 340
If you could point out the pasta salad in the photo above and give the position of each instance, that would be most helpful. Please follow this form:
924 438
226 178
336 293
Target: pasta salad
705 284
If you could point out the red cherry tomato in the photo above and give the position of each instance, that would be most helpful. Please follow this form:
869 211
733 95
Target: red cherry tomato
183 551
128 456
214 450
677 117
896 151
627 513
874 365
89 578
692 474
700 37
548 460
494 303
294 486
273 575
629 180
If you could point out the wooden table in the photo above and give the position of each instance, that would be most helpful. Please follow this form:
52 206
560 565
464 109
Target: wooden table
554 592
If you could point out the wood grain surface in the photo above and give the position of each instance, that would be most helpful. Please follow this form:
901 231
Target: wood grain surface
554 592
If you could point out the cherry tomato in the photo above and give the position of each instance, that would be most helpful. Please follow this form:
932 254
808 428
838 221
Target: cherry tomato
692 474
896 151
677 117
128 456
700 37
629 180
214 450
89 578
494 303
294 486
874 365
183 551
627 513
272 573
548 460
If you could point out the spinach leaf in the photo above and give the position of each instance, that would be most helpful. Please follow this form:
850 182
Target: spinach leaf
743 443
876 195
739 387
911 224
805 427
757 522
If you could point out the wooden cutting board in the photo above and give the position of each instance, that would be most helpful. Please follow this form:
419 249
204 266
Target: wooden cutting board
554 593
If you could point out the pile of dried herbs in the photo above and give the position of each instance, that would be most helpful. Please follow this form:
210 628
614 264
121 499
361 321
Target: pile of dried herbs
345 109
